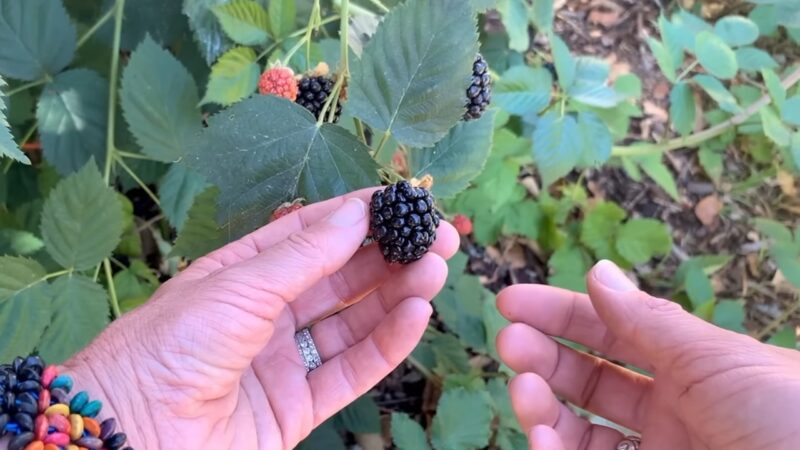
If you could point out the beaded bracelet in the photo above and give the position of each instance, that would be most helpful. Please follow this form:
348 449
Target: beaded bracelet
36 411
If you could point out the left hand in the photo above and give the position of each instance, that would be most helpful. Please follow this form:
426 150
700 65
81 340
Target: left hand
211 361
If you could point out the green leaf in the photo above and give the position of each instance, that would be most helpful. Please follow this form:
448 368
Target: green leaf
599 229
765 18
698 286
523 90
564 62
595 139
788 264
663 58
629 85
18 273
451 356
673 37
233 77
281 18
37 38
736 31
161 20
639 240
200 233
408 434
568 269
208 34
711 161
786 337
457 159
687 26
501 402
778 133
72 115
81 220
8 147
459 304
508 439
159 100
245 21
362 416
523 219
730 315
18 242
430 47
717 91
542 14
452 429
293 158
715 55
134 285
324 436
556 146
753 59
654 167
493 322
177 191
790 111
514 14
773 230
774 86
682 108
23 319
80 312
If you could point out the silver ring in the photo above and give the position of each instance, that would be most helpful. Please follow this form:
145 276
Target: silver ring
630 443
307 349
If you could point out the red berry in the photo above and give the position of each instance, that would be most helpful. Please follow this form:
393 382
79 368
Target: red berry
462 224
399 162
278 81
286 209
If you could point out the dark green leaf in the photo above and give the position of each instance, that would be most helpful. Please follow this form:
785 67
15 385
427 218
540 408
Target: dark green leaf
730 315
23 319
715 55
200 233
788 264
717 91
639 240
682 108
159 100
325 437
362 416
523 90
430 47
786 338
452 429
8 147
293 158
72 115
80 312
457 159
459 304
654 167
599 229
135 285
16 274
753 59
245 21
501 401
493 322
281 18
37 38
161 20
208 33
233 77
177 191
542 14
450 354
568 269
407 434
556 146
711 161
82 220
514 14
736 31
564 62
508 439
790 111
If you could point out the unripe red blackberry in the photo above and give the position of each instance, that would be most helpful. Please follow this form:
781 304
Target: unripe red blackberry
479 92
403 222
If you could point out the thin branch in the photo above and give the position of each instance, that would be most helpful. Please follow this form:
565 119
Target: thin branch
119 6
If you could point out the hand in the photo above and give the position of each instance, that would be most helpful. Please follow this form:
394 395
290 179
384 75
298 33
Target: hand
710 389
211 362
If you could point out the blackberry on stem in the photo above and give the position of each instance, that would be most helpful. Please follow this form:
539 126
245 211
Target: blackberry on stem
479 92
313 92
403 222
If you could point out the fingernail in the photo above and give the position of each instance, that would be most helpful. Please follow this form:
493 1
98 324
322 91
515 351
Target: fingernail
609 275
349 214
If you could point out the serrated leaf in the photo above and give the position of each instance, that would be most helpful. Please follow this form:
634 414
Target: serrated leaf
16 274
292 158
595 139
501 403
753 59
23 319
568 269
233 77
82 220
556 146
245 21
717 91
715 55
72 115
542 15
639 240
200 233
736 31
37 38
177 191
790 111
508 439
159 101
8 147
360 417
410 77
135 285
564 61
407 434
663 58
450 354
80 312
457 159
599 229
523 90
514 14
523 219
682 108
654 167
454 430
281 17
493 322
459 304
208 33
161 20
778 133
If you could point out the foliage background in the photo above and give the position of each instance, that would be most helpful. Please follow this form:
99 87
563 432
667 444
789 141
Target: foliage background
663 136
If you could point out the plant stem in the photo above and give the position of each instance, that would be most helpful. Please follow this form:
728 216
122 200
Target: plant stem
131 155
112 89
332 101
380 5
27 86
297 33
422 369
686 71
91 31
293 50
694 140
780 320
360 131
112 290
138 180
313 24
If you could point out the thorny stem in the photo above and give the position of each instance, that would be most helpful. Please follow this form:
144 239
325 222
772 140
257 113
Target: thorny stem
313 24
112 290
686 71
332 101
112 89
694 140
297 33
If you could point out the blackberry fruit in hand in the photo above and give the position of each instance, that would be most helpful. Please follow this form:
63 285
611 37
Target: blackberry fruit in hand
313 92
479 92
403 222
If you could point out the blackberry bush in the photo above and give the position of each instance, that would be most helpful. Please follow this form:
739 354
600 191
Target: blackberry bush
403 222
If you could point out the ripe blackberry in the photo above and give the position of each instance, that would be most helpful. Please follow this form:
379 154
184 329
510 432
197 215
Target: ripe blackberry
479 93
403 221
313 92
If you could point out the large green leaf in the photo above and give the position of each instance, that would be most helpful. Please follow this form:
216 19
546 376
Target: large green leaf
753 59
408 434
595 139
282 17
208 33
556 146
641 239
16 274
412 77
542 15
459 304
245 21
523 90
773 127
80 312
8 147
590 85
715 55
453 429
159 19
233 77
72 115
200 233
790 111
159 100
774 230
177 191
23 319
324 436
682 111
292 158
457 159
37 38
82 220
730 315
686 28
672 36
599 229
736 31
362 416
717 91
564 62
514 14
663 58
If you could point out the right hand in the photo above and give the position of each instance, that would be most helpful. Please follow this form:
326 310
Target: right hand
711 388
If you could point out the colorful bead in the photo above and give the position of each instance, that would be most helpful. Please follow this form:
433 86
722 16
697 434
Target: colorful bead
54 447
40 426
58 408
60 423
79 401
92 409
62 381
24 421
35 445
76 422
91 426
90 442
59 439
107 428
20 441
72 447
59 395
48 375
44 400
116 441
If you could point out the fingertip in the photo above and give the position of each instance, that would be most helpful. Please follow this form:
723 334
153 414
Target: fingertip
521 347
543 437
532 400
512 295
447 240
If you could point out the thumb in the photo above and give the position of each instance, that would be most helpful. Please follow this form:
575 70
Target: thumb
660 330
